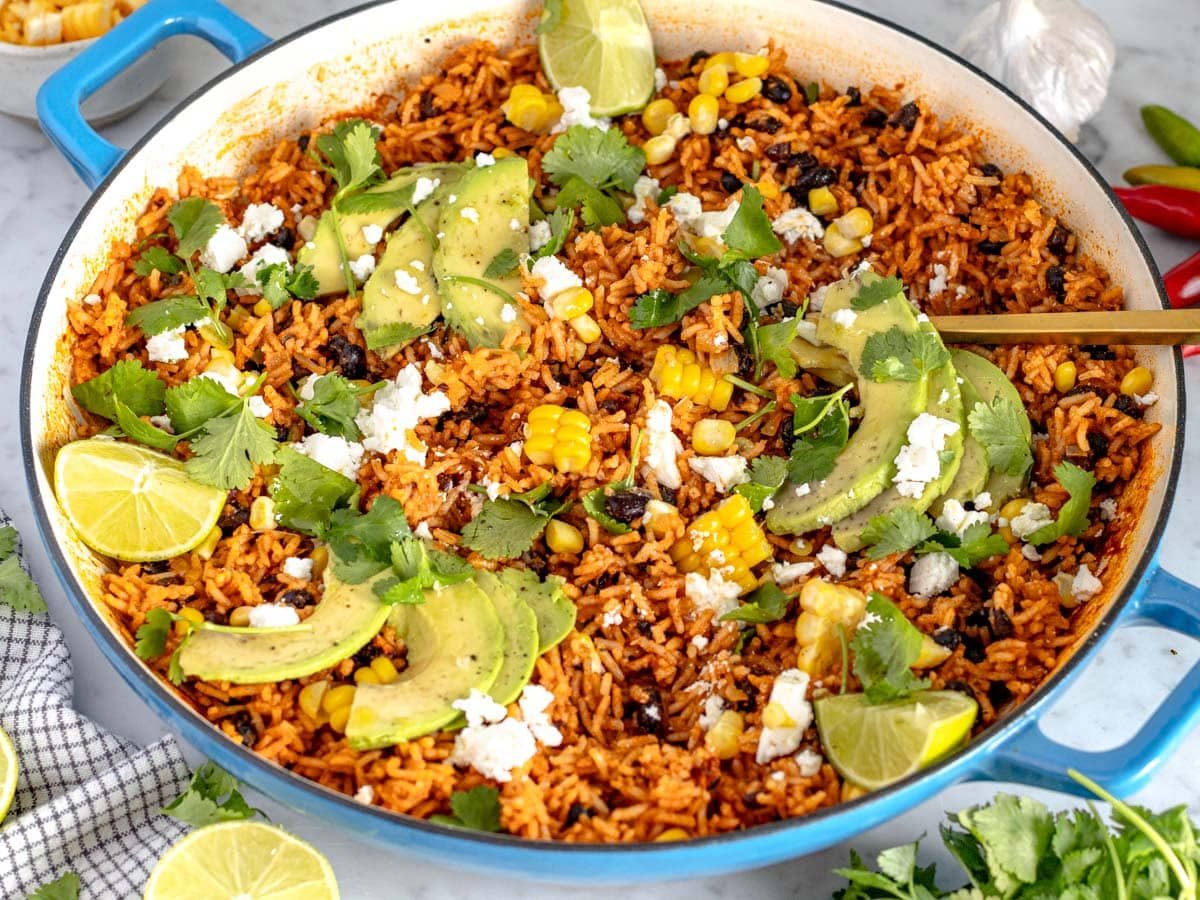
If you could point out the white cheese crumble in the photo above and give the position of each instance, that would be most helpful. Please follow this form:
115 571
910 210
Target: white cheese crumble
298 567
796 224
539 235
957 518
1108 509
809 762
534 704
937 283
555 278
479 708
223 250
1085 585
643 189
163 422
422 531
663 447
722 471
397 408
168 346
612 617
273 615
332 452
1030 519
494 744
790 692
483 160
259 220
576 103
1031 553
508 313
699 642
363 266
770 287
746 143
919 461
932 574
844 317
712 593
803 490
92 299
982 501
833 559
372 234
365 795
407 282
424 188
784 574
660 78
714 705
471 214
1147 399
259 408
690 215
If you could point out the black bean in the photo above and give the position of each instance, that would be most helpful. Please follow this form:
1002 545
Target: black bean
349 358
787 434
856 177
1000 624
765 124
1056 281
368 652
1098 444
875 118
575 813
427 109
474 412
948 637
906 116
1057 242
1081 389
174 280
302 142
283 433
961 686
284 237
698 57
625 506
779 153
802 160
244 726
611 404
991 170
776 89
819 176
648 713
445 481
991 248
738 121
855 96
788 309
644 628
999 694
974 652
730 183
300 599
746 363
751 692
156 567
669 494
236 516
1099 351
977 618
1129 406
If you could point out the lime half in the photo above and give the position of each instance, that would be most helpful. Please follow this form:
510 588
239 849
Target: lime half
873 745
8 773
132 503
242 860
604 46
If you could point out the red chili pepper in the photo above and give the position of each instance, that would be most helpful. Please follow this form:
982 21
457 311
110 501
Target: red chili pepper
1183 282
1173 209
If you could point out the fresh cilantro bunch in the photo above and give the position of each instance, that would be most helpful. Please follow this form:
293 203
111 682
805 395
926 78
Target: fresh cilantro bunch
590 165
306 493
821 425
884 647
508 526
212 796
419 567
17 589
334 405
876 292
227 448
361 543
279 284
904 528
896 355
477 809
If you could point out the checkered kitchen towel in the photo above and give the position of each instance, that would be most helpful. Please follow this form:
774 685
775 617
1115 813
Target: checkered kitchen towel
87 801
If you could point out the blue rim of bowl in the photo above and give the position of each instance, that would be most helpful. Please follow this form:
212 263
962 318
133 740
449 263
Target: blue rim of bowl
989 741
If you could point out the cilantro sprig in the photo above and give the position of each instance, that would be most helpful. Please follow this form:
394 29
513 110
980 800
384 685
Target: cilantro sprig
211 796
884 647
64 887
334 405
280 284
306 493
876 292
821 425
506 527
562 221
17 590
229 446
150 640
767 475
590 165
904 529
477 809
361 543
1000 427
1073 515
765 604
418 567
127 382
897 355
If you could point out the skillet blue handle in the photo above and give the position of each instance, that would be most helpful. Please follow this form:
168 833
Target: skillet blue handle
60 100
1030 757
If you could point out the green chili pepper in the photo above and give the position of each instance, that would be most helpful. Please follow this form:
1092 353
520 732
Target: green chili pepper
1175 134
1176 176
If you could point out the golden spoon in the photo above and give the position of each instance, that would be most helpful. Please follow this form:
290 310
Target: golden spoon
1164 327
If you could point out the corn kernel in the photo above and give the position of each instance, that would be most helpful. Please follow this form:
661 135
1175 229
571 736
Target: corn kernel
677 374
725 58
338 718
384 669
713 81
192 616
837 245
238 316
1008 512
822 202
501 153
671 835
262 514
712 437
364 675
563 537
750 65
208 546
320 559
310 698
661 517
722 739
775 715
744 90
586 327
263 308
932 654
679 126
558 436
802 546
239 617
823 608
727 538
855 223
339 697
572 302
216 335
1064 376
552 114
1138 380
852 791
524 91
656 114
768 188
659 149
703 112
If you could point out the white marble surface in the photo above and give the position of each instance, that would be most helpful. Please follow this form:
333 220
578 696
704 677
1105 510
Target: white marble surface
39 196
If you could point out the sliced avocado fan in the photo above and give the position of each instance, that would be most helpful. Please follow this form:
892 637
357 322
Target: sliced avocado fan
520 626
554 610
973 472
989 383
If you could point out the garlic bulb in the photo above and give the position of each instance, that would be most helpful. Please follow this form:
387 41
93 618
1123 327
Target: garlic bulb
1057 54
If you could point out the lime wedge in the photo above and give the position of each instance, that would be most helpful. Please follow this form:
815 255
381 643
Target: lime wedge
873 745
604 46
242 860
8 773
131 503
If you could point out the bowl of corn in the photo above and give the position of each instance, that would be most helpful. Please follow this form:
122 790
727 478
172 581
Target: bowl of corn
38 37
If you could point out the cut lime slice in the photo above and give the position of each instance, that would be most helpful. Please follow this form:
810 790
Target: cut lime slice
131 503
873 745
242 860
8 773
604 46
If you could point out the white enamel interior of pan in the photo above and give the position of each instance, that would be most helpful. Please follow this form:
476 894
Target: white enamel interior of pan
345 64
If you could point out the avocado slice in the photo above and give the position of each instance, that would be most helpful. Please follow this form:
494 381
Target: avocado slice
392 316
989 383
473 231
455 644
945 402
554 610
866 464
322 251
520 638
824 362
347 617
973 472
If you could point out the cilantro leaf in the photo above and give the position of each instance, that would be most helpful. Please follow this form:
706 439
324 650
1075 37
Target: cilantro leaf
419 567
143 432
666 194
229 447
195 220
659 307
478 808
279 284
17 590
306 493
774 345
561 222
822 428
211 796
552 11
351 154
159 258
213 286
876 292
502 265
165 315
600 157
978 542
597 208
64 887
394 333
1073 516
362 542
749 231
141 390
885 646
151 637
1000 427
191 404
897 531
504 529
767 474
894 355
333 406
767 603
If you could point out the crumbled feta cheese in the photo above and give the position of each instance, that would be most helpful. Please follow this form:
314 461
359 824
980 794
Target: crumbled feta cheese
660 78
932 574
714 705
479 708
273 615
516 447
332 452
1085 585
576 103
424 188
770 287
937 283
365 795
691 216
699 642
92 299
259 408
803 490
259 220
663 447
266 255
844 317
1030 519
956 518
397 408
712 593
223 250
363 266
746 143
722 123
982 501
492 488
534 703
508 313
809 762
228 378
790 692
422 531
768 504
372 234
496 750
919 461
1147 399
944 395
643 189
612 617
307 386
796 224
1108 509
539 235
555 277
1031 553
471 214
722 471
417 266
833 559
483 160
784 574
168 346
407 282
299 568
